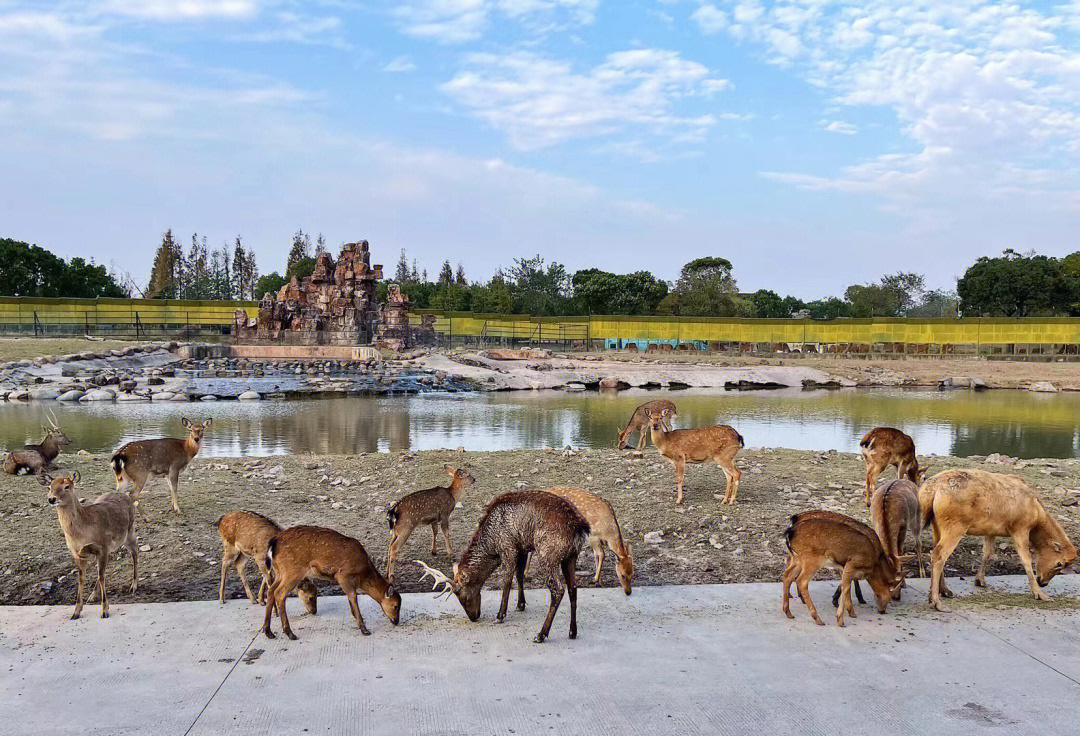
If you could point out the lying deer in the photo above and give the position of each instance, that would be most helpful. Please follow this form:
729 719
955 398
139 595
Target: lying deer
315 552
814 540
991 505
894 510
720 443
246 534
432 506
94 530
512 526
136 462
885 446
35 459
639 422
604 530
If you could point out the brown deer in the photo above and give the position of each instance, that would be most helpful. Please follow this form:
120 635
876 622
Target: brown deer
603 530
315 552
814 541
854 524
991 505
885 446
432 506
35 459
512 526
720 443
639 422
94 530
247 534
136 462
894 509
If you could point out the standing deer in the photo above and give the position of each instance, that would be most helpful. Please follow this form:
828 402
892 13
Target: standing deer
94 530
138 461
991 505
432 506
35 459
720 443
603 530
315 552
885 446
512 526
639 422
246 534
894 509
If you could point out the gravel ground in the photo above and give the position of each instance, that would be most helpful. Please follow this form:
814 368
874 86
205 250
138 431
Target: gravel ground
21 348
701 542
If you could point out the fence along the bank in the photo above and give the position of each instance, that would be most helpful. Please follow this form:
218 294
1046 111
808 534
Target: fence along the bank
120 317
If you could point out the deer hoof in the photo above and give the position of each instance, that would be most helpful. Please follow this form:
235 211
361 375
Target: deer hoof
939 606
573 635
979 583
290 635
1041 596
104 614
365 632
521 606
269 634
74 616
538 639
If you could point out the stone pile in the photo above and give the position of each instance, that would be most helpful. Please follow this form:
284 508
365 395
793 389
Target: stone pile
394 331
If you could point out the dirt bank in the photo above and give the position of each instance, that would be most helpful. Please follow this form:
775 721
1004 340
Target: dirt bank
702 542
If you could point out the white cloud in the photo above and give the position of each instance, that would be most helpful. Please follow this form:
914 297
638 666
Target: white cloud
839 126
540 102
166 10
710 19
399 64
459 21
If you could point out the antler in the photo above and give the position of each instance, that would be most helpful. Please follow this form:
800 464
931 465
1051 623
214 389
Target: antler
52 418
438 579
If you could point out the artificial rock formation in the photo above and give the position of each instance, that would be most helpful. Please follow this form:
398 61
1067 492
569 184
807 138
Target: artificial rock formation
334 305
394 331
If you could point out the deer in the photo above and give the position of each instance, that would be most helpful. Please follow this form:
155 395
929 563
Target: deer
639 422
512 526
814 540
94 530
36 459
990 505
246 534
604 530
431 506
319 553
720 443
885 446
854 524
894 509
136 462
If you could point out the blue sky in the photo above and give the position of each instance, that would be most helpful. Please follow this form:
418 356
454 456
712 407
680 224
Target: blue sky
814 143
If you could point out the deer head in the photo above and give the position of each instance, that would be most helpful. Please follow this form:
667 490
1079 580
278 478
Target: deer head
61 490
196 429
53 431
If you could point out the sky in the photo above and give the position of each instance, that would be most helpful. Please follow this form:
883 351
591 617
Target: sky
814 143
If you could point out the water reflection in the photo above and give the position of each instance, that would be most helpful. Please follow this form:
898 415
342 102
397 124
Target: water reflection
962 423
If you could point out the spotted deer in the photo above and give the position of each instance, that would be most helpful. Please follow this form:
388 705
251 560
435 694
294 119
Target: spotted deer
681 446
94 531
136 462
244 535
603 530
639 422
885 446
431 506
35 459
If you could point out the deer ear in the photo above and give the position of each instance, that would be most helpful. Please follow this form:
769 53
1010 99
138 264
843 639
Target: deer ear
390 590
186 422
648 412
449 469
75 477
628 548
206 424
45 479
1057 546
455 569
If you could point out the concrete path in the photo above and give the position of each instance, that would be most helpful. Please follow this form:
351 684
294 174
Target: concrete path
668 660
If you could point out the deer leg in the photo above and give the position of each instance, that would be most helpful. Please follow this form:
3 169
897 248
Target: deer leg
522 562
845 597
396 542
802 583
228 558
434 540
790 570
726 462
570 576
872 472
598 556
642 435
446 538
1022 542
988 550
241 564
264 582
350 593
943 548
174 480
103 561
680 471
508 584
556 589
133 550
279 592
81 563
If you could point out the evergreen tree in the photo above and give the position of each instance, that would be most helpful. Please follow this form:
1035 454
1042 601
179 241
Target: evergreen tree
414 275
401 274
301 249
446 275
163 273
460 278
320 245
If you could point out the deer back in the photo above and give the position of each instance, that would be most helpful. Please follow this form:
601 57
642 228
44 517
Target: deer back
156 456
698 444
248 531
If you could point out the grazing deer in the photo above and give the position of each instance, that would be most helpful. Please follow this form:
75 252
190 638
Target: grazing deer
603 530
246 534
35 459
138 461
512 526
814 540
639 422
885 446
720 443
94 530
315 552
991 505
854 524
432 506
894 510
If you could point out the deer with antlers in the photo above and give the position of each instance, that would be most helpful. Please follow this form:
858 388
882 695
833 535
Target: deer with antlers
36 459
136 462
512 526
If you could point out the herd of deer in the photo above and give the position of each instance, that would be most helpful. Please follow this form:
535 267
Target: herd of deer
554 525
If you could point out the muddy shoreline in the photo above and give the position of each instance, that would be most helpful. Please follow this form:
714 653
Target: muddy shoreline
701 542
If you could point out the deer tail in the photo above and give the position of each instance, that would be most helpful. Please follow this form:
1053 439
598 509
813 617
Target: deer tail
867 442
118 462
271 548
581 535
790 532
742 442
926 507
392 517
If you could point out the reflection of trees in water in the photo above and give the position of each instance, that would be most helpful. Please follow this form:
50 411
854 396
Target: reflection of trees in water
332 426
1013 440
87 430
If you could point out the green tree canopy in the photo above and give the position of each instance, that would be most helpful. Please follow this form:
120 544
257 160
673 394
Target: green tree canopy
600 292
1014 285
29 270
706 288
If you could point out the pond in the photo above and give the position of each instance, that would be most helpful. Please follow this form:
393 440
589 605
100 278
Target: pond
1017 423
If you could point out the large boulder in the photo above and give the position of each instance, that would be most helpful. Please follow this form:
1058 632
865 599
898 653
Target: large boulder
1043 387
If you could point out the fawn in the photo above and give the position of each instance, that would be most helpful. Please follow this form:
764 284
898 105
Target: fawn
138 461
604 530
991 505
885 446
513 525
639 422
432 506
94 530
301 552
720 443
247 534
38 458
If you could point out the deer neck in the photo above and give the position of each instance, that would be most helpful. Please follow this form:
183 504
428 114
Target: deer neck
69 515
456 488
658 434
191 446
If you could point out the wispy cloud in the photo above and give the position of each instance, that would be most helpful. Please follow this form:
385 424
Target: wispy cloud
839 126
459 21
399 64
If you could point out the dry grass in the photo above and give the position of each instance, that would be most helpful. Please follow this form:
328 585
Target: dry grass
22 348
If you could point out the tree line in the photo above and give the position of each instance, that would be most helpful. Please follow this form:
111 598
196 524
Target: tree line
1010 285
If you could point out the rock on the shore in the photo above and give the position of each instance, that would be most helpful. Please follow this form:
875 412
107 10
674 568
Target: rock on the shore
99 394
249 395
72 395
1043 387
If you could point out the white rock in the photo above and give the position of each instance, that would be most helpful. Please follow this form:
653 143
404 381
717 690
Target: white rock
1043 387
249 395
72 395
654 537
99 394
